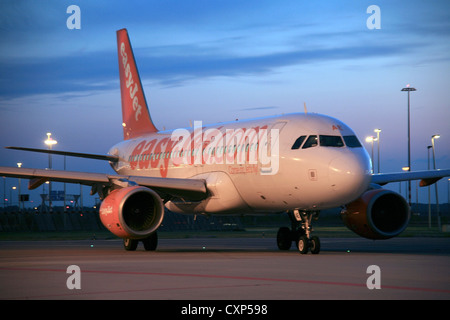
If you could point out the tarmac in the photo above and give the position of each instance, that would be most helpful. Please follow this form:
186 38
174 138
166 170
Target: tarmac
222 269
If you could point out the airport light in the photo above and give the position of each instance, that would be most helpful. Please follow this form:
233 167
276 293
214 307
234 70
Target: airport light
378 152
434 137
429 195
10 194
19 164
50 142
405 168
448 191
371 139
409 89
4 192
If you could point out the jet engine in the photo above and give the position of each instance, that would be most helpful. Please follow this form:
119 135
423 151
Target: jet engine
377 214
132 212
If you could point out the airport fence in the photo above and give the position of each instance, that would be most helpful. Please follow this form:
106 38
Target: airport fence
89 220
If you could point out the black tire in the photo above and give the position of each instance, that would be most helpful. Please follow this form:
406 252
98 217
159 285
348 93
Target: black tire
314 245
284 240
130 244
303 244
151 242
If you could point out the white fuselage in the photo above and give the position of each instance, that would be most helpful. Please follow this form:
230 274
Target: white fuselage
296 161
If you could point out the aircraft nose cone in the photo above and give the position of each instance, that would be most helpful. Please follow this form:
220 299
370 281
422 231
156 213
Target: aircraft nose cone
349 176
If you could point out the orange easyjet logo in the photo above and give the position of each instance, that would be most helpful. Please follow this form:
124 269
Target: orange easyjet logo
210 146
130 84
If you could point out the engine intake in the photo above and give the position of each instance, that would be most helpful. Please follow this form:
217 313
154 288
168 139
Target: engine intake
132 212
377 214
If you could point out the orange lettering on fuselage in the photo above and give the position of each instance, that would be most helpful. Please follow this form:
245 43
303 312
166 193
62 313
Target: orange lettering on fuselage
151 153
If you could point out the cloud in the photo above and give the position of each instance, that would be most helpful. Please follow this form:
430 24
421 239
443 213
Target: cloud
58 74
259 108
193 42
168 65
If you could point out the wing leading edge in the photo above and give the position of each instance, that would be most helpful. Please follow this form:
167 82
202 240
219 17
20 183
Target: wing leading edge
69 153
426 177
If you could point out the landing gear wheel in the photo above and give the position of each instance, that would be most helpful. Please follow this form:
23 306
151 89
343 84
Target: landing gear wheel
300 232
314 245
151 242
303 244
130 244
284 240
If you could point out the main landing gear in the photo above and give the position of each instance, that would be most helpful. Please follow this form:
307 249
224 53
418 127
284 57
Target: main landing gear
150 243
300 232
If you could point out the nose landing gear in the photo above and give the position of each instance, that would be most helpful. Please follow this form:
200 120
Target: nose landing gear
300 232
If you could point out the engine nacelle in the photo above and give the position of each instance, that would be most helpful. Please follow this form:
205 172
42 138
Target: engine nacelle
132 212
377 214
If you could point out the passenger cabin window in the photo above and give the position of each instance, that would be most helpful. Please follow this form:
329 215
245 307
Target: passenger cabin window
331 141
352 142
310 142
298 142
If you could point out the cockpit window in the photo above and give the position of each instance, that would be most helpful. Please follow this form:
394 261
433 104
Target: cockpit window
331 141
298 142
326 141
352 142
310 142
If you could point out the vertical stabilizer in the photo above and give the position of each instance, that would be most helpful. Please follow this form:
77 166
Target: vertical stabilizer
135 115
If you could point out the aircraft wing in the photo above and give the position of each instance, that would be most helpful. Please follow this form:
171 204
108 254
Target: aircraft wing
192 189
427 177
68 153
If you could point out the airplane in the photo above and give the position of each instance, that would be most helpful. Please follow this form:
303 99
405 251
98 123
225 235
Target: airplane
297 164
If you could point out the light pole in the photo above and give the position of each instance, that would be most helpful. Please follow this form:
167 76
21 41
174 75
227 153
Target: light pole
19 164
10 194
436 136
4 193
429 196
409 89
371 139
378 143
50 142
406 169
448 193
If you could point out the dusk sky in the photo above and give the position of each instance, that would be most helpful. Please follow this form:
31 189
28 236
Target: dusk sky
216 61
